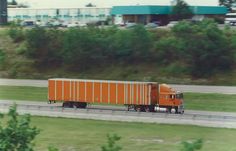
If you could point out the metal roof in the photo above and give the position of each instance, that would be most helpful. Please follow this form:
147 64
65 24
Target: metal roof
214 10
165 10
140 10
101 81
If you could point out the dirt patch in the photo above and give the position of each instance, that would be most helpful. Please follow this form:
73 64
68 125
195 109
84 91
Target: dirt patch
148 140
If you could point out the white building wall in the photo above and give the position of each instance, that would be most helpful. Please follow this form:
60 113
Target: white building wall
82 15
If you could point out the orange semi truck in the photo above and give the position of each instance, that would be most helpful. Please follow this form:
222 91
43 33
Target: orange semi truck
140 96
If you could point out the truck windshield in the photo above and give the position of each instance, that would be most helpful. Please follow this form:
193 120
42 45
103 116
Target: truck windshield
179 96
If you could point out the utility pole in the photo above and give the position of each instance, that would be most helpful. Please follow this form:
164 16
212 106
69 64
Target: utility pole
3 12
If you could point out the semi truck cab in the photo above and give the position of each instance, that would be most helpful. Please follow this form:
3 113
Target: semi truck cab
170 99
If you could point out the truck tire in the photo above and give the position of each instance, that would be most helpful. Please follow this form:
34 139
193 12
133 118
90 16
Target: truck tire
82 105
176 110
139 108
66 104
152 108
168 109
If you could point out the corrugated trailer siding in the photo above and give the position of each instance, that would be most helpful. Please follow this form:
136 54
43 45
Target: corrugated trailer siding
100 91
97 92
59 90
67 90
51 90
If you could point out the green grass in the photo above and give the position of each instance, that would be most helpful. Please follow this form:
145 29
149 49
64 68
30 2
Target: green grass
23 93
89 135
194 101
210 102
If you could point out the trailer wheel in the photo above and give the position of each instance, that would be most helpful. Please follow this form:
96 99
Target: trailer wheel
66 104
76 104
147 108
137 108
151 108
142 108
168 109
82 104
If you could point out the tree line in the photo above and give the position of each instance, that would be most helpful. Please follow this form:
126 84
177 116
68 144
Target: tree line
198 49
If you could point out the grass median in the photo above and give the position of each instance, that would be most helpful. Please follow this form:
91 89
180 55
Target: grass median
194 101
90 135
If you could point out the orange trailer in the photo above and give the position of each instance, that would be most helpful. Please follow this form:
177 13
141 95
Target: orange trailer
142 96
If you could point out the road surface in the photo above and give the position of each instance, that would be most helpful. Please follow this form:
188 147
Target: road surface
183 88
201 118
119 113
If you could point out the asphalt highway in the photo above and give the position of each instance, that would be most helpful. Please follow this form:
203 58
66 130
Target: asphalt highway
119 113
182 88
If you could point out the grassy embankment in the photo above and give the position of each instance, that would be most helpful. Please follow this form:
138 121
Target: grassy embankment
86 135
16 65
89 135
195 101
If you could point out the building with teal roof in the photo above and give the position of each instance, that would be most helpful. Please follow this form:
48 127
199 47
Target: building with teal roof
150 13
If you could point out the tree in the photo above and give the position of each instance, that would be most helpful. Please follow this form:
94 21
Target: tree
85 47
17 135
227 3
206 48
181 11
3 12
192 146
111 146
44 46
141 42
90 5
13 2
2 56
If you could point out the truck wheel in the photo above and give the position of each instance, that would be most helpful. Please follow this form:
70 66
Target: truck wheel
168 109
176 110
151 108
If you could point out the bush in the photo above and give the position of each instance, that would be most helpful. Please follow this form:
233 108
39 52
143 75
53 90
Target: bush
45 46
17 135
2 57
206 48
111 143
200 49
16 33
192 146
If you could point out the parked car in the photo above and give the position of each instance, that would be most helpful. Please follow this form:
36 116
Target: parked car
130 25
172 23
151 25
28 23
75 24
